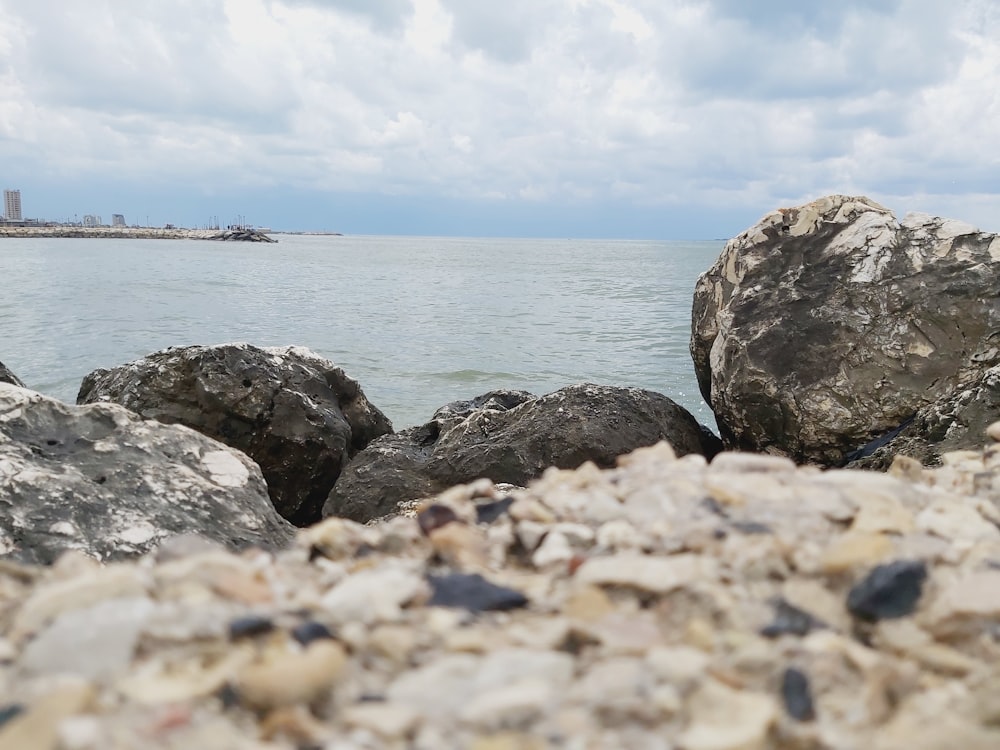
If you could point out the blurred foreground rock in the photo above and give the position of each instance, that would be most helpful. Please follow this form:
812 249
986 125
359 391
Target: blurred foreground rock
827 325
742 604
299 416
511 437
100 480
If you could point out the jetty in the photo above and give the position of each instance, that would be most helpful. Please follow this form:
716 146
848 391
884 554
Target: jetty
241 234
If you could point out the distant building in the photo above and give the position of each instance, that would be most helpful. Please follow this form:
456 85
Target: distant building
117 220
12 205
89 220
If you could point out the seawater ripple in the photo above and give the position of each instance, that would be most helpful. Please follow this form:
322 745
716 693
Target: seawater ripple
419 321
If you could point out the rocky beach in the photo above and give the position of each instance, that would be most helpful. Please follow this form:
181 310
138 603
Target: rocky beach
230 547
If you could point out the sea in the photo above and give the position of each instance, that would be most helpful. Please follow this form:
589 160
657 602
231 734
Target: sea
418 321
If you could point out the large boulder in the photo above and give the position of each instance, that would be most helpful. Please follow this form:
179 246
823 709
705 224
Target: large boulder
953 423
511 437
6 376
102 480
293 412
824 326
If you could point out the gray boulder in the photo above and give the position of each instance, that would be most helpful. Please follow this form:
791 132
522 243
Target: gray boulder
293 412
511 437
6 376
104 481
956 422
824 326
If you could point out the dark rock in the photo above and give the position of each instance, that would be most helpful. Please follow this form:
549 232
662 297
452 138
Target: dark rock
249 627
889 591
6 376
241 235
789 620
294 413
796 694
311 631
473 592
102 480
490 512
434 517
10 711
955 422
511 437
814 341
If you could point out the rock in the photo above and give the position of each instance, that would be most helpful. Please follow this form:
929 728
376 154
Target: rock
889 591
826 326
473 592
101 480
294 413
797 695
511 437
6 376
954 422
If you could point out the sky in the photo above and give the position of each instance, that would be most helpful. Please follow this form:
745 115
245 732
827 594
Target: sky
659 119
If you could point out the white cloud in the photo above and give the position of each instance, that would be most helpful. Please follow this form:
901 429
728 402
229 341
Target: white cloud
712 103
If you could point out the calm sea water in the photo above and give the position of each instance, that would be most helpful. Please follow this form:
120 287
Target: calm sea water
419 321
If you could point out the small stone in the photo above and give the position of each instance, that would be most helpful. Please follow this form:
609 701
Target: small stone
796 694
657 575
390 721
290 678
249 627
490 512
96 642
434 517
727 719
37 727
307 632
588 603
853 550
790 620
9 711
888 591
512 706
370 596
993 431
473 592
460 546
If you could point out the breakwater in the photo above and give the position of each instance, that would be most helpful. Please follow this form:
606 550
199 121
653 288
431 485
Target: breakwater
134 233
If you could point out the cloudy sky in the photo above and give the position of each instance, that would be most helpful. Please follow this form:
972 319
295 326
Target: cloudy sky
610 118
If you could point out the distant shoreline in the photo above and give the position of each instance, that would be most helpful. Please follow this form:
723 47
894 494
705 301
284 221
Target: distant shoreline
135 233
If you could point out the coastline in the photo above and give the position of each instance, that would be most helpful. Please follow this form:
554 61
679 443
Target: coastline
135 233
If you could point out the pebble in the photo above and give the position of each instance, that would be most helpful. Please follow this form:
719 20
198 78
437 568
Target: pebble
888 591
473 592
287 678
796 694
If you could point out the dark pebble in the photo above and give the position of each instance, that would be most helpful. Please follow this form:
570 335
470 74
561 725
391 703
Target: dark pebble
751 527
789 620
434 517
889 591
797 695
10 711
250 626
490 512
473 592
311 631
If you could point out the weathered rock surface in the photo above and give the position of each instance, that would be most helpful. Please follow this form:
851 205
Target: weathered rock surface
827 325
101 480
950 424
300 417
6 376
511 437
742 604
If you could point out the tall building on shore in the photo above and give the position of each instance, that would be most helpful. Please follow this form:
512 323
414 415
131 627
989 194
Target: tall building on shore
12 205
117 220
